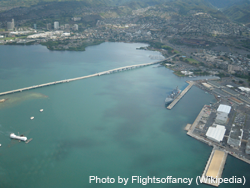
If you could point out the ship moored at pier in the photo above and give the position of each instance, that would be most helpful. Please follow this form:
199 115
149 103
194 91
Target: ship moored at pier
174 94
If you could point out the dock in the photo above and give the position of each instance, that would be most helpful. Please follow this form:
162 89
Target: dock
28 140
181 95
188 126
214 167
120 69
196 121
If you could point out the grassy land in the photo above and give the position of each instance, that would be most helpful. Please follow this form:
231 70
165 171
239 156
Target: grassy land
13 38
192 61
176 52
178 73
60 45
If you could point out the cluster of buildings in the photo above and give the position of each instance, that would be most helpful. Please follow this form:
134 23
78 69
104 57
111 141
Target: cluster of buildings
228 62
56 26
217 131
228 124
50 35
62 27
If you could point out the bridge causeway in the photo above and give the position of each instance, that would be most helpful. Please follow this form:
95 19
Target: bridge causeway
83 77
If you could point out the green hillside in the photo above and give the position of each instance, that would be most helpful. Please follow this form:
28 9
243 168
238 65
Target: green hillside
222 3
185 6
62 10
239 12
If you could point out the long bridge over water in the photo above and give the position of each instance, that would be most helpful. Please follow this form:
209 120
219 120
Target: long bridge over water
83 77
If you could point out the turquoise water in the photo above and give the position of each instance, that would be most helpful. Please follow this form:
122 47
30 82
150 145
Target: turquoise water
113 125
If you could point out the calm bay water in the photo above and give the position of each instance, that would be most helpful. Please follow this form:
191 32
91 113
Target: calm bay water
113 125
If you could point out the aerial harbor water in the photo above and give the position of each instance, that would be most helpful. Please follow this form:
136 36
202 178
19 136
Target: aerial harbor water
112 125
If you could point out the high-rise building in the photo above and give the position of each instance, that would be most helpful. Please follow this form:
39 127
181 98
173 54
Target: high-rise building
75 27
34 26
66 26
10 25
13 23
49 26
56 25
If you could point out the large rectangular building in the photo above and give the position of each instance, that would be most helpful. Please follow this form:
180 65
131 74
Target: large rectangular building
224 109
235 137
222 114
221 119
216 133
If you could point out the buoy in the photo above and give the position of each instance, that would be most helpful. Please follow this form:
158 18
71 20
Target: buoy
32 117
41 110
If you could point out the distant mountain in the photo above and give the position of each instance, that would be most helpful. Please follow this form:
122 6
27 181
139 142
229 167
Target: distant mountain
222 3
239 12
63 10
185 6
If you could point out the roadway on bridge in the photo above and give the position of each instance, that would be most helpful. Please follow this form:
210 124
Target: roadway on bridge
83 77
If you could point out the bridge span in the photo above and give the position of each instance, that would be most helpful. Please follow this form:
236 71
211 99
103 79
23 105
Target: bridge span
83 77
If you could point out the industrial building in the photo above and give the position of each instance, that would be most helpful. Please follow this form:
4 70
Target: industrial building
224 109
235 137
216 133
244 89
221 119
248 146
222 114
207 85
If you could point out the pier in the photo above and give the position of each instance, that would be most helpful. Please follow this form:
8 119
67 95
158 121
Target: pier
181 95
214 167
29 140
84 77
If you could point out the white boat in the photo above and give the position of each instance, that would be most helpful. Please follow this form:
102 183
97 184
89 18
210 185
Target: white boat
41 110
32 117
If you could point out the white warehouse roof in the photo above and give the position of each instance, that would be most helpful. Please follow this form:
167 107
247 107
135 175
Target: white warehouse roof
244 89
216 133
224 108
